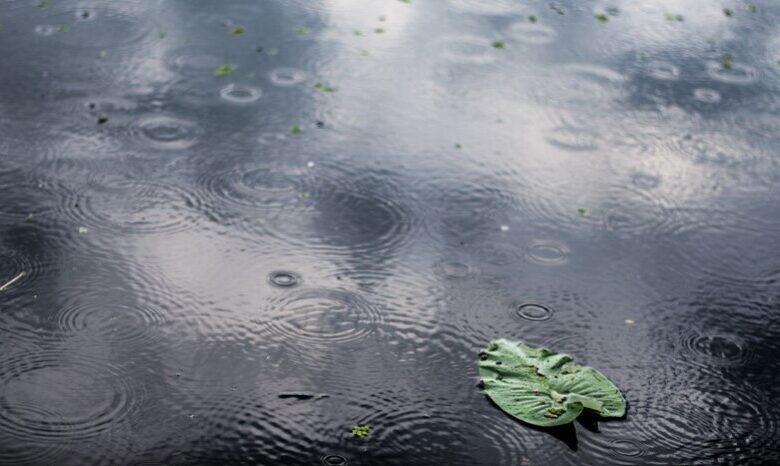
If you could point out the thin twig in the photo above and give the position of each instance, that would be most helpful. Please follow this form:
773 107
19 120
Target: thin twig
13 280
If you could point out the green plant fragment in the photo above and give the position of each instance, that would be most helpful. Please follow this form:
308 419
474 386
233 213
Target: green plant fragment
726 60
542 387
499 44
361 431
224 70
601 17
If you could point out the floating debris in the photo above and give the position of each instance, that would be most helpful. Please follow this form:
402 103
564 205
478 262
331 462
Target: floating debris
12 281
43 4
224 70
102 120
532 18
582 211
296 130
162 35
361 431
238 30
601 17
379 31
726 60
728 12
324 87
300 30
83 230
629 322
499 44
302 396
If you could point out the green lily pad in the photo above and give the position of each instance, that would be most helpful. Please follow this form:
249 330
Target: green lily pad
542 387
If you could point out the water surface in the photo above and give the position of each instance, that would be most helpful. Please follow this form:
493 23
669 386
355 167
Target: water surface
238 229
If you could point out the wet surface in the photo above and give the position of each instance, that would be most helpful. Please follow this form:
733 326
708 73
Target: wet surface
231 231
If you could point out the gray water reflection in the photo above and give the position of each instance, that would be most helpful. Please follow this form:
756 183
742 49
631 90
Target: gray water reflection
244 227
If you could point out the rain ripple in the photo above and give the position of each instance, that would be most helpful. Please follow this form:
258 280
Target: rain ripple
63 397
319 316
127 205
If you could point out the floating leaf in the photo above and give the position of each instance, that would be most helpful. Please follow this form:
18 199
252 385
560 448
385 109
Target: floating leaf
499 44
102 120
582 211
601 17
296 130
532 18
542 387
238 30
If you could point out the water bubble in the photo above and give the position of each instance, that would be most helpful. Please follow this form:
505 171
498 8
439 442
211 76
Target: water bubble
169 132
287 76
547 252
452 269
240 94
573 138
334 460
663 70
645 181
627 448
534 312
284 279
736 74
706 95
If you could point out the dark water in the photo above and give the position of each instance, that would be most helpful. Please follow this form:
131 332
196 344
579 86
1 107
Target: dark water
238 269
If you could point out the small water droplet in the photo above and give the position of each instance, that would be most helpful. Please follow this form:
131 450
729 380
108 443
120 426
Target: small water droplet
283 279
534 312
